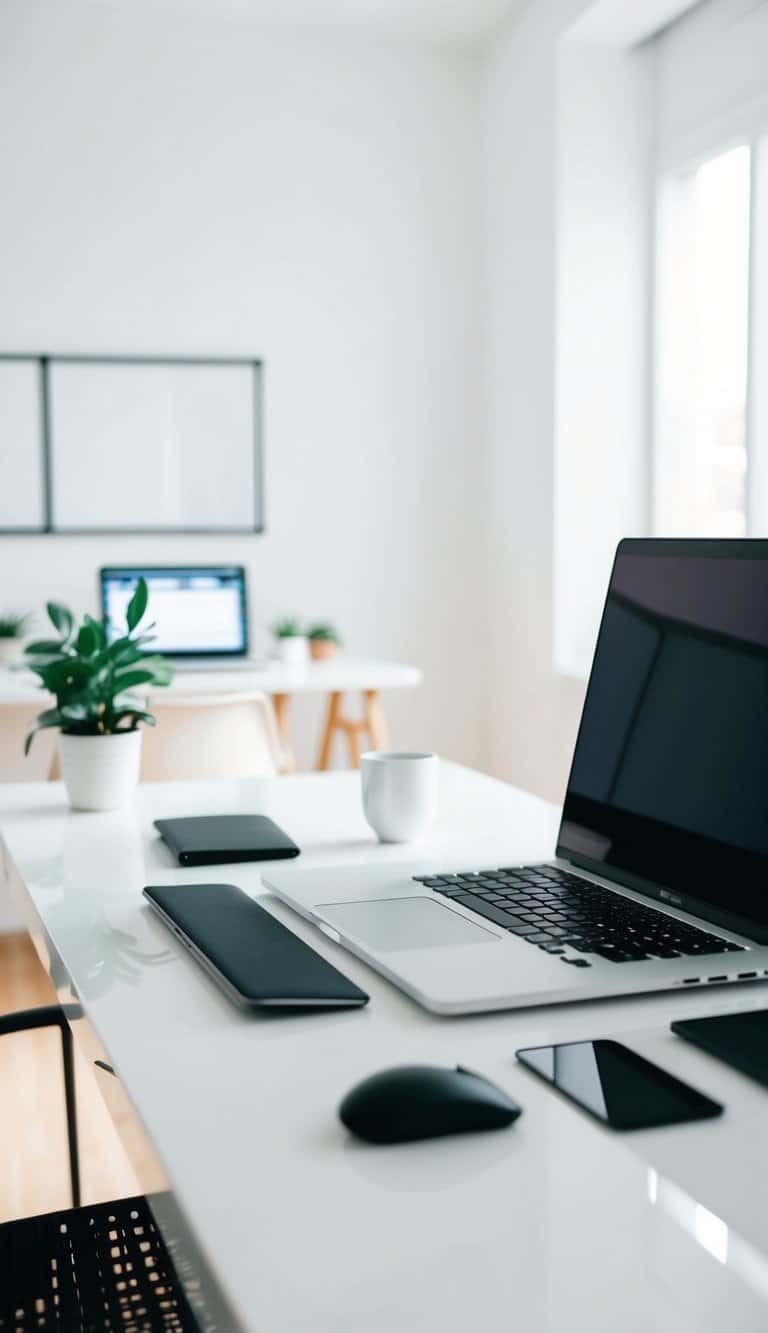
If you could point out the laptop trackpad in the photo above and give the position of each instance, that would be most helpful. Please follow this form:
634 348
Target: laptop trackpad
403 923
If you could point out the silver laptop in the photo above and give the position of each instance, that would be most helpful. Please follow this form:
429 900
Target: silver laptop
660 877
200 612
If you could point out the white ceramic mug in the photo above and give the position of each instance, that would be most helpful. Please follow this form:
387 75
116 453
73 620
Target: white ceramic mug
399 793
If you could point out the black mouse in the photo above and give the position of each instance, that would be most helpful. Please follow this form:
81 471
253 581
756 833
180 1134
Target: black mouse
422 1102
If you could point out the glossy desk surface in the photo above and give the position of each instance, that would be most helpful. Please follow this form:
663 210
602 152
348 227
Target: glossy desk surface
554 1224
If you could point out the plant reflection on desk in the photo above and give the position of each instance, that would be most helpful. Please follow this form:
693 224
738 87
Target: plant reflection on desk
121 960
107 956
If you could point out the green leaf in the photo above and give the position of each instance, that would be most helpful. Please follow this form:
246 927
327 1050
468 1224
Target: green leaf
70 674
61 618
89 727
137 714
125 680
137 605
162 671
44 646
87 641
74 712
51 717
124 650
41 664
99 628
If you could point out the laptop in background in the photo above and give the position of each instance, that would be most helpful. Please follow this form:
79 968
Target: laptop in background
201 612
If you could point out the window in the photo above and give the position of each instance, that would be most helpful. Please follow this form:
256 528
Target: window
661 298
700 473
709 464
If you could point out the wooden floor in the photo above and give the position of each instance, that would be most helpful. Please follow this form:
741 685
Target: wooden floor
33 1147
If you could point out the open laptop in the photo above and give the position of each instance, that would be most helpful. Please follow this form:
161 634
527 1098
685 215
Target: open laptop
660 877
201 612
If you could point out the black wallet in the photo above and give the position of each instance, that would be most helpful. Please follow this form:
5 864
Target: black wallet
209 840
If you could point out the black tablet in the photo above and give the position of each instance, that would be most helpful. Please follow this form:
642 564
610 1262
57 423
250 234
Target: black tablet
256 960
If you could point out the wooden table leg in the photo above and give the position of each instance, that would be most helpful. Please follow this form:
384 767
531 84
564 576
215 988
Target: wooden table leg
372 724
332 721
353 730
376 722
282 704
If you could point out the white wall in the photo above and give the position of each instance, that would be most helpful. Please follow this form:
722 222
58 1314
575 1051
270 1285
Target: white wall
568 119
210 185
712 76
603 301
535 710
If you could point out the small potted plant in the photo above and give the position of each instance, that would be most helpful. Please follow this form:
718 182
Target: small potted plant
91 679
13 626
290 642
324 642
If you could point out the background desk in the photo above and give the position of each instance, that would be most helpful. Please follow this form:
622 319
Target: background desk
340 676
555 1225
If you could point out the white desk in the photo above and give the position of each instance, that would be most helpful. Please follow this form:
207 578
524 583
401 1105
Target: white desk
337 677
552 1225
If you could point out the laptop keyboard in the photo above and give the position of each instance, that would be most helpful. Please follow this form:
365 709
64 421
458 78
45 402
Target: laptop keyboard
556 910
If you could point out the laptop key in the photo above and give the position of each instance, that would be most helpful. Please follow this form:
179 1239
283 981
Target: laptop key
538 901
489 910
617 955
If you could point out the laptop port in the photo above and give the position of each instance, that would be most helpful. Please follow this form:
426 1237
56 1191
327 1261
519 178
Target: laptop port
722 978
746 976
690 981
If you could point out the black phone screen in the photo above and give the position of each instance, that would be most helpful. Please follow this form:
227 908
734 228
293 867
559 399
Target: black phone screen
616 1085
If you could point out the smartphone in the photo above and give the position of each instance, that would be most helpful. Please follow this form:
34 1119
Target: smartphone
618 1086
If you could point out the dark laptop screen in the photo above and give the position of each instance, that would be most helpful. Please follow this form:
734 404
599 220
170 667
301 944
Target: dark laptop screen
669 785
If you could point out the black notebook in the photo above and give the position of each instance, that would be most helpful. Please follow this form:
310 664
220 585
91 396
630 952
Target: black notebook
208 840
740 1040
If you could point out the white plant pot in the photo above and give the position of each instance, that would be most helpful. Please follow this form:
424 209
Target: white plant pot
100 772
293 652
11 650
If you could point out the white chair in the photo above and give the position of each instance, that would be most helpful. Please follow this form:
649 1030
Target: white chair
211 736
16 720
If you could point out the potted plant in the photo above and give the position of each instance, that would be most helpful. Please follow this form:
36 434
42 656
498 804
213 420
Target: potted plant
290 642
91 679
13 626
324 642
